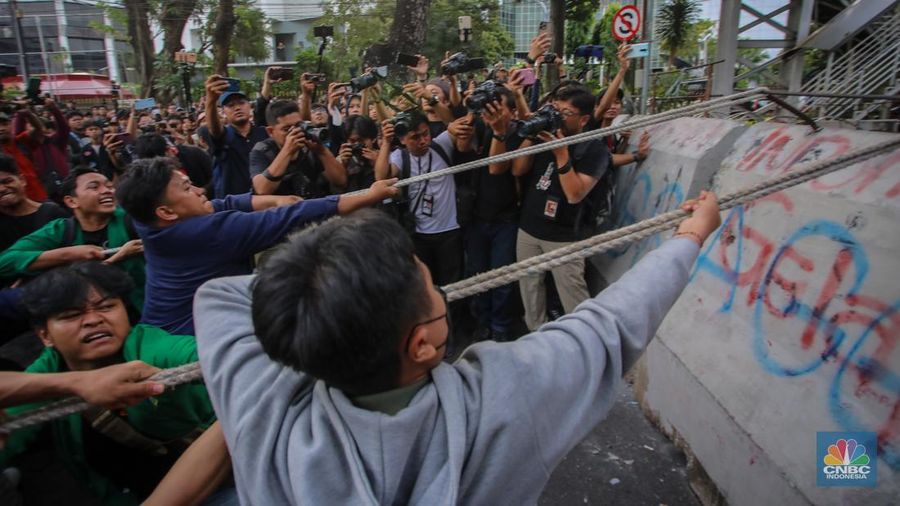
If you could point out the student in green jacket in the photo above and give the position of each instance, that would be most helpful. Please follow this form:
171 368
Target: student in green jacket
97 225
79 314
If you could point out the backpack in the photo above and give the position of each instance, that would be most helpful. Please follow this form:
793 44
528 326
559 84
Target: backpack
68 237
597 213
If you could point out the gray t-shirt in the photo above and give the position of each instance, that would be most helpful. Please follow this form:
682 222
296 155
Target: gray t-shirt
303 175
440 215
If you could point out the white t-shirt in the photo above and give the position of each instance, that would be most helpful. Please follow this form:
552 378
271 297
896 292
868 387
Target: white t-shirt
440 191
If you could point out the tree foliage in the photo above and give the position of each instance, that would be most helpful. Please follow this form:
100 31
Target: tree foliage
673 25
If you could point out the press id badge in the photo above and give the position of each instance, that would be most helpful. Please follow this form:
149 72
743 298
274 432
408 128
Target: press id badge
551 207
428 205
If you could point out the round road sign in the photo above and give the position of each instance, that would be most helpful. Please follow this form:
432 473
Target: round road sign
626 23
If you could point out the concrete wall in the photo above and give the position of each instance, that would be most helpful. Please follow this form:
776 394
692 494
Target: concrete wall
791 322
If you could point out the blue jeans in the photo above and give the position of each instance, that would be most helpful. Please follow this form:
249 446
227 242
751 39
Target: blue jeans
490 245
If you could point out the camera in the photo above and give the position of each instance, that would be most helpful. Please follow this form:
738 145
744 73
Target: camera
316 78
323 31
356 151
402 124
368 79
313 133
484 94
459 63
547 119
549 57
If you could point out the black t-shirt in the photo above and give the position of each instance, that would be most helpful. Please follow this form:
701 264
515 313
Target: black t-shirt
360 174
231 160
13 228
95 238
497 198
303 175
546 213
436 128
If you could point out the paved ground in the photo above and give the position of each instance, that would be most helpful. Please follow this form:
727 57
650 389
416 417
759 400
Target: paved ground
625 460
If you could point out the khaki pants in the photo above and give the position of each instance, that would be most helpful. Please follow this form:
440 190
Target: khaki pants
569 279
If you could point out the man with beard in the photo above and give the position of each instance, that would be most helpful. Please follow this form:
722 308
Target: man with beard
20 215
230 144
34 188
97 225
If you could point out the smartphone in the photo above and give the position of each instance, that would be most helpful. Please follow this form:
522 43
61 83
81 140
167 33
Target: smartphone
527 76
144 103
124 138
233 84
282 74
407 59
639 50
316 78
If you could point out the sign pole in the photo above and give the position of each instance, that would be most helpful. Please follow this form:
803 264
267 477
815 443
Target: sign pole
648 36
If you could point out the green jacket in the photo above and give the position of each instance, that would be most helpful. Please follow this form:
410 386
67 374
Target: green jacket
172 415
14 261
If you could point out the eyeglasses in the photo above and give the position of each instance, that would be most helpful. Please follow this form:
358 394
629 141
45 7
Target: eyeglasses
445 316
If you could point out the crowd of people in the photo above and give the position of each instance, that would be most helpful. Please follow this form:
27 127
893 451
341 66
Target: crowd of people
129 240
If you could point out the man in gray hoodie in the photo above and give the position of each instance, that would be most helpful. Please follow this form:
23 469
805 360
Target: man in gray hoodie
326 372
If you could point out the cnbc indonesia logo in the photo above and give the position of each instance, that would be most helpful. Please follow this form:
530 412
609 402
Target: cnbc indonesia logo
846 461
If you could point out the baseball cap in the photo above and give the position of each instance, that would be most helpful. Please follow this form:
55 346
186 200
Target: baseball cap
228 95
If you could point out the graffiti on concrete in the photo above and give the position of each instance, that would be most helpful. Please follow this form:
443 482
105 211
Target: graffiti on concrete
805 294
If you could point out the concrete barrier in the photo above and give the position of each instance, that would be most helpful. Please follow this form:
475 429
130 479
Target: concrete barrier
684 158
791 322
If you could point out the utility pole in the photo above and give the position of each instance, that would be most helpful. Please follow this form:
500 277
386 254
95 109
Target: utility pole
17 31
648 60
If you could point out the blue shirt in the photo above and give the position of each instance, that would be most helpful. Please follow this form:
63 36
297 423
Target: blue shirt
183 256
231 160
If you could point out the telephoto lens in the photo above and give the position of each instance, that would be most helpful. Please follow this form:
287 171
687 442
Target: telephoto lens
546 119
313 133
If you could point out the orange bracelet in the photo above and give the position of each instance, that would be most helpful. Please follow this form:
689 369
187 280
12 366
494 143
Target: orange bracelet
691 233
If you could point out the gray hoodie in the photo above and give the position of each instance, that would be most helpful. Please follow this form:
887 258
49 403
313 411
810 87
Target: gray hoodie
487 429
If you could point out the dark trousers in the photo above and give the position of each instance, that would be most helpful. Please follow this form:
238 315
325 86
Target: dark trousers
442 253
490 245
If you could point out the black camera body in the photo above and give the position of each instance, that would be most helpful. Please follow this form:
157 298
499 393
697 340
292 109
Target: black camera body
547 119
549 57
313 133
367 80
356 151
323 31
484 94
459 63
402 124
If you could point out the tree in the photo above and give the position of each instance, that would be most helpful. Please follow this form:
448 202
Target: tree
410 26
221 37
580 21
173 16
141 39
489 39
673 25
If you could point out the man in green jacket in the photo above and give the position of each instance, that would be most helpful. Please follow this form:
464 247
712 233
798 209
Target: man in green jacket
79 314
96 227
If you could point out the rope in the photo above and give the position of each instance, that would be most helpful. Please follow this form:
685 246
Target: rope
644 121
532 266
652 226
170 378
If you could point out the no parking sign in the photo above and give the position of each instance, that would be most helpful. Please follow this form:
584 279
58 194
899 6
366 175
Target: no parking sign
626 23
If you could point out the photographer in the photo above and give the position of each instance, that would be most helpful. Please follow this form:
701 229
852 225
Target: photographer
49 151
288 163
555 184
358 154
490 240
328 375
230 145
432 204
190 239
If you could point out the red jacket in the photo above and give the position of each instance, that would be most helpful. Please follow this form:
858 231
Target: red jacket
34 188
52 153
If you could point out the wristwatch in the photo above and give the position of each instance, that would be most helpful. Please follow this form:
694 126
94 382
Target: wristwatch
268 175
528 60
565 168
637 156
499 137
